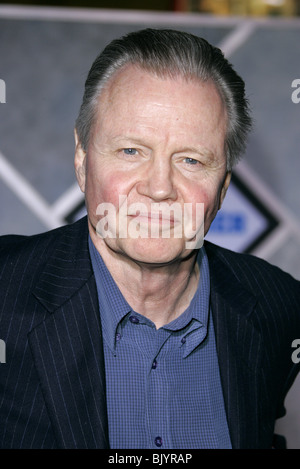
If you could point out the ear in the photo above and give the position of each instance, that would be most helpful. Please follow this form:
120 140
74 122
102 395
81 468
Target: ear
224 188
80 163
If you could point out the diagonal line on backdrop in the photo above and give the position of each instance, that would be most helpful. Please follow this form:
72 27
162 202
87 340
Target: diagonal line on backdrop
236 38
70 199
28 195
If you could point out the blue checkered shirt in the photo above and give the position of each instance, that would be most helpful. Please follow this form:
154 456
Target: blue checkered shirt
163 386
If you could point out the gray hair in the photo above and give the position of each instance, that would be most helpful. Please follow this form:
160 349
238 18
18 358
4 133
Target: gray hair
170 53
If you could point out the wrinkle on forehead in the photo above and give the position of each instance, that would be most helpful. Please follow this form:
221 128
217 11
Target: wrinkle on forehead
140 104
121 80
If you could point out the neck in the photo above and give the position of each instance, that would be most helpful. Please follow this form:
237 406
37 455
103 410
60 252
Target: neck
159 292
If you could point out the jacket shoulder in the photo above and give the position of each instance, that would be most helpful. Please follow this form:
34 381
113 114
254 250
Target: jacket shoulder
16 248
247 267
14 244
21 256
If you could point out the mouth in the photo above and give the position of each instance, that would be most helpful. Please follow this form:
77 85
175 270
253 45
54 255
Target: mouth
155 218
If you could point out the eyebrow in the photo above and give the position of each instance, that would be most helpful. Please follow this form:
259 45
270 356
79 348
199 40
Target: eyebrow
127 137
208 154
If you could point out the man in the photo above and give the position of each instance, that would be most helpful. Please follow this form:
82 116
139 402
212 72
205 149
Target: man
123 330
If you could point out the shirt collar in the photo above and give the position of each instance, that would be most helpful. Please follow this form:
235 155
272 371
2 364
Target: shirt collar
113 306
194 320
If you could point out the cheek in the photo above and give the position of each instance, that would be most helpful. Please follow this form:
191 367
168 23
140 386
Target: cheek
104 186
204 195
209 196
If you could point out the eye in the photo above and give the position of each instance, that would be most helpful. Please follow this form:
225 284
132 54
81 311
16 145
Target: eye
191 161
130 151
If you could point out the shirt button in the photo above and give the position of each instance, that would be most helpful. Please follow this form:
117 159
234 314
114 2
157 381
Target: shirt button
118 336
183 340
158 441
154 364
134 319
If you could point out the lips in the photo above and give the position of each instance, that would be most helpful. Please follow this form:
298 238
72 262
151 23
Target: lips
154 217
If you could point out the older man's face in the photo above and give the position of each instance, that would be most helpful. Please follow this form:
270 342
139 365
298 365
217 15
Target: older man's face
155 141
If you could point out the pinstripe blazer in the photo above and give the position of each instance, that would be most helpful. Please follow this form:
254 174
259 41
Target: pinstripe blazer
52 387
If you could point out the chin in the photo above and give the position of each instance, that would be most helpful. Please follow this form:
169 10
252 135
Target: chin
155 251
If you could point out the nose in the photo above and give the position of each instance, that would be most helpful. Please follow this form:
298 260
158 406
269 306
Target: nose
157 181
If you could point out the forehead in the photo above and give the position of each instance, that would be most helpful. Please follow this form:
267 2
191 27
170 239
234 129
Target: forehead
133 82
136 101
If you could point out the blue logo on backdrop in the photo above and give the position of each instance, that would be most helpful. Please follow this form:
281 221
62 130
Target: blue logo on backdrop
227 222
243 222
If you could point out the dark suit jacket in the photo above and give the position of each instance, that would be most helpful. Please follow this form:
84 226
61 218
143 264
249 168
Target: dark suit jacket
52 387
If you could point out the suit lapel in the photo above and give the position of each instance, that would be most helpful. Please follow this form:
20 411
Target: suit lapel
239 352
67 345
